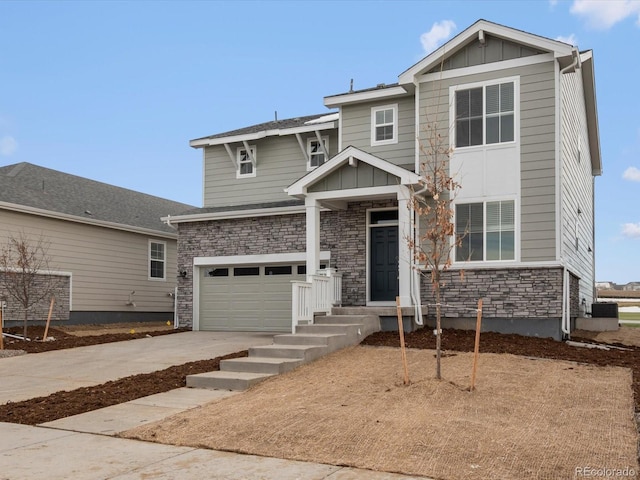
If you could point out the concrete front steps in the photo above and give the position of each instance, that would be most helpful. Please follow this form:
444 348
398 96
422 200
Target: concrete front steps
288 351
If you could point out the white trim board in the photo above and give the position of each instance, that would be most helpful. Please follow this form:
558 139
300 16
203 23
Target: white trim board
300 257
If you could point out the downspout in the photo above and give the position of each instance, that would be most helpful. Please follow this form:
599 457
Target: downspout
414 280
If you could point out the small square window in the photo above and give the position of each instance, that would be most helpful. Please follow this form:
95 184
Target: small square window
384 125
315 152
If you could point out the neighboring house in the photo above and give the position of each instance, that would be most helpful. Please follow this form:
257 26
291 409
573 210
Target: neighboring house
632 287
115 257
284 198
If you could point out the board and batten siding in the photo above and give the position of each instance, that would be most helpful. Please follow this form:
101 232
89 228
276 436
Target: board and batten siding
577 186
279 160
537 147
106 264
356 130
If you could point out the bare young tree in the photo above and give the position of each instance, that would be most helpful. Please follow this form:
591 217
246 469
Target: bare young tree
432 203
24 268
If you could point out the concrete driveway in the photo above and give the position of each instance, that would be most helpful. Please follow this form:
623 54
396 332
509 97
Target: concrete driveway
36 375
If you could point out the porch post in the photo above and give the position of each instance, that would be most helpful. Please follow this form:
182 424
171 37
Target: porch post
312 208
404 251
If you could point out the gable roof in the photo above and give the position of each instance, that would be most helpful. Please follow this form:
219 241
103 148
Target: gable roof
289 126
559 49
300 187
38 190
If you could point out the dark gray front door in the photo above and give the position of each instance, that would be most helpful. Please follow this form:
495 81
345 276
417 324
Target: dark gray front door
383 263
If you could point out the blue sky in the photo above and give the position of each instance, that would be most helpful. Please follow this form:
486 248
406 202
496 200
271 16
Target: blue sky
113 91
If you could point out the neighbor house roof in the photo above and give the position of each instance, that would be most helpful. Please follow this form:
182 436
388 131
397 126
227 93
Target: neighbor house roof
287 126
38 190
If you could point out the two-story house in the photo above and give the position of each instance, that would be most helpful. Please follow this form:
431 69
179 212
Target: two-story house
284 199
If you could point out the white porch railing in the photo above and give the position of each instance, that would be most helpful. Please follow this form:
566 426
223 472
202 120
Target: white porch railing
323 291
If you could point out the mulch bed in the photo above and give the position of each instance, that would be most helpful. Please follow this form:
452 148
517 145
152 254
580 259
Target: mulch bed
65 340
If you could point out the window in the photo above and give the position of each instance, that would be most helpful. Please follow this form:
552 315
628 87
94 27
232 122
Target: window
157 260
485 115
218 272
246 271
278 270
245 165
384 125
486 231
316 153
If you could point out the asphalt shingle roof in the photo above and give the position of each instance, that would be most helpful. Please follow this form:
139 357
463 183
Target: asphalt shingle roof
38 187
273 125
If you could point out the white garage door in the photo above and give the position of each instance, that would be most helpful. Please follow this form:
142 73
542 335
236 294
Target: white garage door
247 297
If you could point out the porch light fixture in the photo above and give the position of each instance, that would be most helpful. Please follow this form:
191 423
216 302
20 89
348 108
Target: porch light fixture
182 274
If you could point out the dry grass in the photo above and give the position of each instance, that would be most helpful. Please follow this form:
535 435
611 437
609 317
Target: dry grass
534 419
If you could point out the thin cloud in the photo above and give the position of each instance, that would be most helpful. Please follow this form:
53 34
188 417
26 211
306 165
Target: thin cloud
604 14
632 173
440 31
631 230
8 145
571 39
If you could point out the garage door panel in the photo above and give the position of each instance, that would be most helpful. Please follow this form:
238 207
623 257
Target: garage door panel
247 302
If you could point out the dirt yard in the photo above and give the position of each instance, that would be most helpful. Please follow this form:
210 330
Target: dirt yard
529 418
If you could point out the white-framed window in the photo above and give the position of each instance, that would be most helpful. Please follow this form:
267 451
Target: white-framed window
485 114
384 125
485 231
315 153
157 260
246 167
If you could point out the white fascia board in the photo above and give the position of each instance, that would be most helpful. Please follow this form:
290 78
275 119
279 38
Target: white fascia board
299 188
589 85
487 67
256 212
358 97
210 142
253 259
387 191
559 49
73 218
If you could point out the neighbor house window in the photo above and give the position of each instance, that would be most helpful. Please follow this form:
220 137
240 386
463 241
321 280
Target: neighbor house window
485 115
315 152
384 125
246 167
486 231
157 260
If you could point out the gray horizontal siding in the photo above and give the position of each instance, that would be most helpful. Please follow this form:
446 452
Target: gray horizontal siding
106 264
356 130
537 148
280 162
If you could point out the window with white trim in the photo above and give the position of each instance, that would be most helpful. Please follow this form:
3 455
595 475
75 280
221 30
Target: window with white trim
157 260
384 125
315 153
245 165
485 115
485 231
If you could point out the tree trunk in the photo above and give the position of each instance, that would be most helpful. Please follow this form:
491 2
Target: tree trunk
26 315
438 328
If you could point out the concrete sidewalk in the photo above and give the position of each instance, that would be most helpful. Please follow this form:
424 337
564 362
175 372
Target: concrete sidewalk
36 375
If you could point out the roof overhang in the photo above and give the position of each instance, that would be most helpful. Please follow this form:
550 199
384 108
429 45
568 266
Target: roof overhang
364 96
307 128
230 214
348 155
74 218
560 49
589 82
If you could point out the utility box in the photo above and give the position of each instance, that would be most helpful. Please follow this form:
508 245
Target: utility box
604 310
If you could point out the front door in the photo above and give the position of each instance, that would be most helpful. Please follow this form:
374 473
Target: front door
383 260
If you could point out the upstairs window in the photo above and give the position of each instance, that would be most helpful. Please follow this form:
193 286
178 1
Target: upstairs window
315 153
245 166
384 125
486 231
485 115
157 260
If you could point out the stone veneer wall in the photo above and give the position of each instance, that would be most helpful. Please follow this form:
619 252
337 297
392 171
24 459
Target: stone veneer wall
574 296
509 293
14 313
343 233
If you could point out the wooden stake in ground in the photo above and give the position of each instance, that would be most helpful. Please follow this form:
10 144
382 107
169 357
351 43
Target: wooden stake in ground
476 348
1 335
46 329
402 349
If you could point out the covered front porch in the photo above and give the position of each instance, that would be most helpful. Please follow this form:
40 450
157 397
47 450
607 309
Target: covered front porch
369 233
